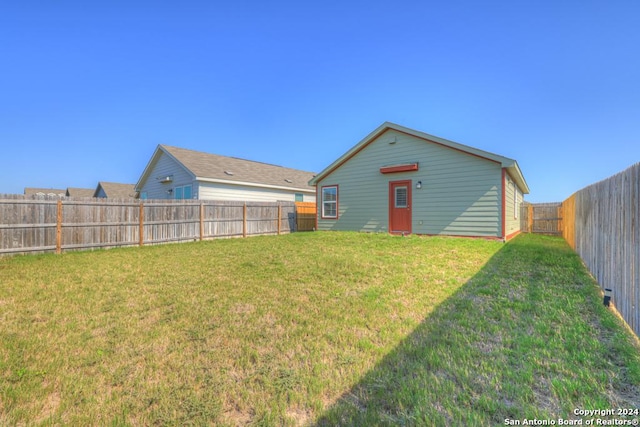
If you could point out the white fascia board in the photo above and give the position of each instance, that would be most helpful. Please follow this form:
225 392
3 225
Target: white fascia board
518 177
145 174
153 161
504 161
253 184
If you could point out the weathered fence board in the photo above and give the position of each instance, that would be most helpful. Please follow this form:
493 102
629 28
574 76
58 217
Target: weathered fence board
569 213
306 216
543 218
605 233
45 224
601 223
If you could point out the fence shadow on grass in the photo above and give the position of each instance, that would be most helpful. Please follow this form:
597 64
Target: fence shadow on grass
497 349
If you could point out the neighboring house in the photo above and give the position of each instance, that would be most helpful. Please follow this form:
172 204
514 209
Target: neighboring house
400 180
45 192
177 173
114 190
80 192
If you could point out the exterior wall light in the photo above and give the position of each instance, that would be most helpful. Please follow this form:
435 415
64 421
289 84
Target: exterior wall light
419 185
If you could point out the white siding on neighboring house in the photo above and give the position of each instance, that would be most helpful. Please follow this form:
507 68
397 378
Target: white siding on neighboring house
460 192
216 191
202 181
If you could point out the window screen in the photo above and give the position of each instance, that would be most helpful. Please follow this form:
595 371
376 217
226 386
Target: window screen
401 197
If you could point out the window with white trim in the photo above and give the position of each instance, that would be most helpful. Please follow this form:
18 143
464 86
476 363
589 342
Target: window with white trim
183 192
330 202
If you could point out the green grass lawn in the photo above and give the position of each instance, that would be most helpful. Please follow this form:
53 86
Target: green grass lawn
310 329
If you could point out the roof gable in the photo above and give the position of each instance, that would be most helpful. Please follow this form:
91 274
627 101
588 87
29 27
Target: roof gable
157 154
80 192
116 190
44 191
209 167
510 164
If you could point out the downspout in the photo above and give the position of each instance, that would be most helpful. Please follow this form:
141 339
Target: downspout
317 207
504 204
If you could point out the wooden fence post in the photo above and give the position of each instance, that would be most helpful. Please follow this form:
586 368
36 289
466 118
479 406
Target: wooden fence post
80 224
201 220
244 220
59 228
141 233
530 219
279 218
560 216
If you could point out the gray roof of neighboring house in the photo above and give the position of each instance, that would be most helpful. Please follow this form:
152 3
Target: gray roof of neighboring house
116 190
215 168
80 192
31 191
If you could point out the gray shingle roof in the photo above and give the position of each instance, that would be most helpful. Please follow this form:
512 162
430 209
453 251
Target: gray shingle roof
116 190
215 167
80 192
31 191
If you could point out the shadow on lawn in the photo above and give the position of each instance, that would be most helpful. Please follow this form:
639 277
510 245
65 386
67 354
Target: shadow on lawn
480 357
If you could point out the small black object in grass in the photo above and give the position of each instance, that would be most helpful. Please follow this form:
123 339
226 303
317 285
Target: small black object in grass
607 297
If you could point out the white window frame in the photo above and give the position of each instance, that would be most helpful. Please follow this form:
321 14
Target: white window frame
330 202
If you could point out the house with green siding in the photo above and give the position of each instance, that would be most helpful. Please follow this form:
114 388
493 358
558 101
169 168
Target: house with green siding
402 181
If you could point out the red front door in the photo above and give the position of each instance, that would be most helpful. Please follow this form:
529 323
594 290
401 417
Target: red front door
400 207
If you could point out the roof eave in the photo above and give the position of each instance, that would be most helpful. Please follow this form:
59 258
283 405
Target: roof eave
160 149
350 153
147 170
517 176
388 125
254 184
505 162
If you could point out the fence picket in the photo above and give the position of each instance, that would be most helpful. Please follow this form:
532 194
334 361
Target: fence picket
600 222
605 235
44 224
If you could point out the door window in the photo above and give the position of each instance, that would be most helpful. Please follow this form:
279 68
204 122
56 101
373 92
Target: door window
401 197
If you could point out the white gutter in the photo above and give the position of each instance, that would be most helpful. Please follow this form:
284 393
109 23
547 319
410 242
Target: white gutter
253 184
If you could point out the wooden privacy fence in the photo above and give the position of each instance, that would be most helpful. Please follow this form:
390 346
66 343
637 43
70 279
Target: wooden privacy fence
601 223
306 216
37 224
603 228
543 218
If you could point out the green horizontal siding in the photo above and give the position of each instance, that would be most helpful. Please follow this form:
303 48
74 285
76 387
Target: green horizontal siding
460 193
512 223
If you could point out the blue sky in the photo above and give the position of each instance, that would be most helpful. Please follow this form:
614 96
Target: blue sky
88 89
